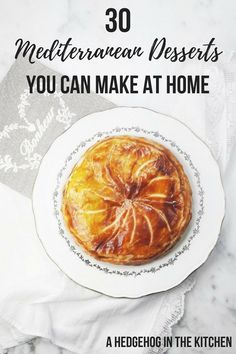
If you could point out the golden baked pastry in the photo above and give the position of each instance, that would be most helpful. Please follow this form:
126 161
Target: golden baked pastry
127 201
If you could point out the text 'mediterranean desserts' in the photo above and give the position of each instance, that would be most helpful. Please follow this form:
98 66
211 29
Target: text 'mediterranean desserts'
127 201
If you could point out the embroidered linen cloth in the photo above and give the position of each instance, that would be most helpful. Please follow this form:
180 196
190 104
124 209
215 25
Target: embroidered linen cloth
37 299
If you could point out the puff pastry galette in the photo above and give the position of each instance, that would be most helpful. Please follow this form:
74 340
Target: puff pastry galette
127 201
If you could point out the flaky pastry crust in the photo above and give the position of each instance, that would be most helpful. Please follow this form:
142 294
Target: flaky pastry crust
127 201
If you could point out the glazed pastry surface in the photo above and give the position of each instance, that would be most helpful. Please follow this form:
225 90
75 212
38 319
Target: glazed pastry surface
127 201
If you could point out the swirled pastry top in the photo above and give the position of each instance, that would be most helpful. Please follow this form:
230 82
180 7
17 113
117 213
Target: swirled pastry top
127 201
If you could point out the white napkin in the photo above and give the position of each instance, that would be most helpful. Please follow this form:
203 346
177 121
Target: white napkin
37 299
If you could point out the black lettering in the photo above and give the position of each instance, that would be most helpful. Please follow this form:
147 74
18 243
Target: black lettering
112 19
85 84
204 84
113 84
193 84
155 45
157 79
26 47
101 84
108 343
51 83
30 82
147 87
74 85
49 53
174 56
41 84
133 84
171 84
124 17
64 87
168 341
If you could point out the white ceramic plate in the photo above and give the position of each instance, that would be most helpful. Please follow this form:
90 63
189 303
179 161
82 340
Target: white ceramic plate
119 280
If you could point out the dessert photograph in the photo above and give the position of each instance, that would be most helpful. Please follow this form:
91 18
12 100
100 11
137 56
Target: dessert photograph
117 177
